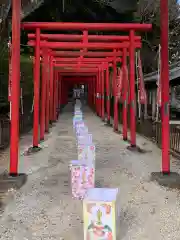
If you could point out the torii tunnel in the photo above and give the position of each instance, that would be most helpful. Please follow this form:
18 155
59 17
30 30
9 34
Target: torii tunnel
93 60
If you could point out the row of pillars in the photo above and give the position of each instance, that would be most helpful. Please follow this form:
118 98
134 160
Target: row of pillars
54 90
53 96
100 95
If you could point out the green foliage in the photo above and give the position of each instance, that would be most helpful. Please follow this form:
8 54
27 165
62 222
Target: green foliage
149 12
26 80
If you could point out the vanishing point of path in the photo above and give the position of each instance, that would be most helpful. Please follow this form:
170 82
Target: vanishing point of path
44 210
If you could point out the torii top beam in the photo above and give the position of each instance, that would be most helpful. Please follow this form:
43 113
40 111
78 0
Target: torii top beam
91 71
81 65
73 37
84 60
86 26
76 74
75 78
86 54
68 45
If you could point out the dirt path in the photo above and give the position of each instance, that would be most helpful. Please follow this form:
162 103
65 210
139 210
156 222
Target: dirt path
43 208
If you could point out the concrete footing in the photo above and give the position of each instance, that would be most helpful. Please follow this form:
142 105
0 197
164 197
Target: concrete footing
136 149
117 131
108 124
15 181
170 180
32 150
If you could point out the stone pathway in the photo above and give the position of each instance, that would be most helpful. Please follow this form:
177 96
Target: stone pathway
43 208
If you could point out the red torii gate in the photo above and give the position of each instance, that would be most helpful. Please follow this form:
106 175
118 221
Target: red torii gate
98 61
104 38
103 54
93 37
54 45
16 6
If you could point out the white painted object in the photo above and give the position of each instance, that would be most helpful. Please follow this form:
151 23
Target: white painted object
101 214
82 178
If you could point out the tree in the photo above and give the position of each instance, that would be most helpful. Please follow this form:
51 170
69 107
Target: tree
149 12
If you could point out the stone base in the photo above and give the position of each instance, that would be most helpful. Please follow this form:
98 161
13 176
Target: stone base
15 181
170 180
117 131
52 123
32 150
136 149
125 139
62 107
108 124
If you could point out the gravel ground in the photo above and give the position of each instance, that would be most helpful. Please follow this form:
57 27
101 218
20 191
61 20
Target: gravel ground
44 209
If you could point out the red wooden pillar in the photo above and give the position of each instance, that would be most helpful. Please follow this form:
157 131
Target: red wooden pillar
132 89
92 92
47 93
15 90
43 93
51 88
99 90
59 90
62 92
65 92
108 95
97 94
36 90
165 86
55 87
115 96
102 94
125 91
57 96
89 93
95 80
91 98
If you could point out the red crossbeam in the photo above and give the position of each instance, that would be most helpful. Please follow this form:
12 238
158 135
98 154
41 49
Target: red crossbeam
86 54
87 26
67 45
73 37
77 70
83 60
76 65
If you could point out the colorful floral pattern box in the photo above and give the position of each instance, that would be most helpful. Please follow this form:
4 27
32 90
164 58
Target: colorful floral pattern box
82 178
87 153
101 214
